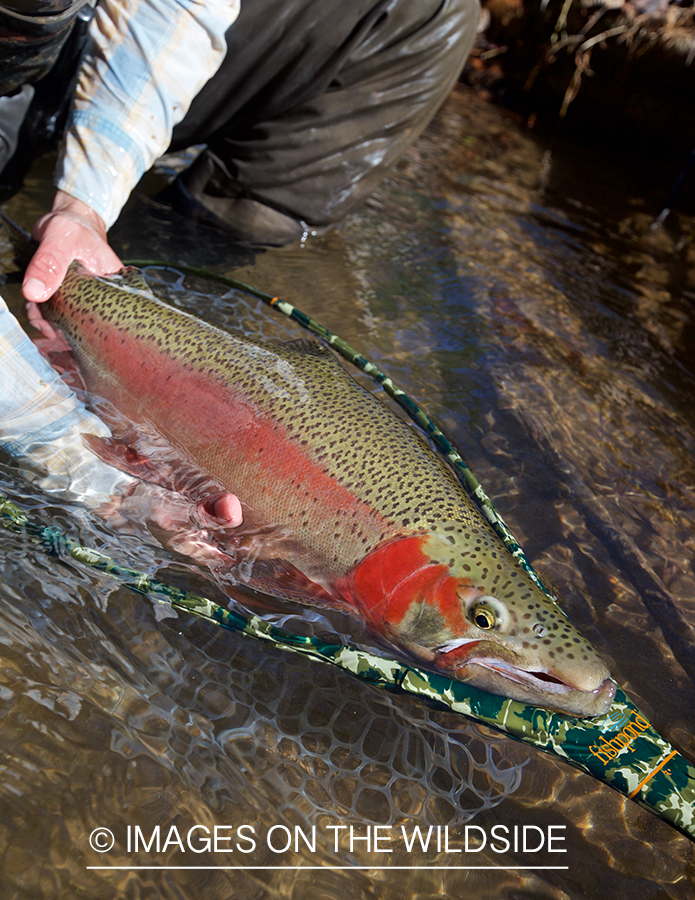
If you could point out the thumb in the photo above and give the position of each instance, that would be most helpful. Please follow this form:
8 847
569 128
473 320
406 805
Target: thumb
46 271
72 230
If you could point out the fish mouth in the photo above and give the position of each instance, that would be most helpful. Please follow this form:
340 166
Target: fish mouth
538 687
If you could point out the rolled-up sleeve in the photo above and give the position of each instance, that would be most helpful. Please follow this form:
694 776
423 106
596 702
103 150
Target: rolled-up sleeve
146 62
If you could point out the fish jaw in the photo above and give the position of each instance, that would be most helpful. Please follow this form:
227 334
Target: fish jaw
480 664
501 634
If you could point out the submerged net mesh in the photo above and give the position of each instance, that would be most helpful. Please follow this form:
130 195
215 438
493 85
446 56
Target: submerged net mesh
335 746
251 730
237 721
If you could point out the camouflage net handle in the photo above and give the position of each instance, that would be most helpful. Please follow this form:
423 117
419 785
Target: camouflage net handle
620 748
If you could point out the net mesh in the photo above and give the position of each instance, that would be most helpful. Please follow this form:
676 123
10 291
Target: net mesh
233 720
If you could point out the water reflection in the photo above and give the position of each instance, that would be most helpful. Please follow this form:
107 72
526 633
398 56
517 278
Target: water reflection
547 329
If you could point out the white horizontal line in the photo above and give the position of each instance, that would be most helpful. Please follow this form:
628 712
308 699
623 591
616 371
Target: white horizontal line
342 868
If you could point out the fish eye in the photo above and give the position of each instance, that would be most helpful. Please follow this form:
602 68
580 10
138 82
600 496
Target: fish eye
483 617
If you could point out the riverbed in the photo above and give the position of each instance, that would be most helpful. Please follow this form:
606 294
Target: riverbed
515 287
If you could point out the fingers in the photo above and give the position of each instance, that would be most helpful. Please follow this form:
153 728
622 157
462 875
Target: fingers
206 537
39 323
173 512
70 231
224 509
49 263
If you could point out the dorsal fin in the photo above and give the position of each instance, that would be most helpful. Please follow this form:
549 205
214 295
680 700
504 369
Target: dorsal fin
130 278
309 346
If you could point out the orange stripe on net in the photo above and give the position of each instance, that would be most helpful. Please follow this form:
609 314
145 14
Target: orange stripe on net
652 774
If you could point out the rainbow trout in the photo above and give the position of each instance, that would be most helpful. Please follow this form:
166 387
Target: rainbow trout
376 521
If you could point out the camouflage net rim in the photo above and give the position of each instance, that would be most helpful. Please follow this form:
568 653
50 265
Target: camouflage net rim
620 748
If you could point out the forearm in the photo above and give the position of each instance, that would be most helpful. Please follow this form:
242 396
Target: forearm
42 423
148 60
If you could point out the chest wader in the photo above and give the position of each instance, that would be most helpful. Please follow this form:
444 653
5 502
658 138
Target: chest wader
313 104
41 43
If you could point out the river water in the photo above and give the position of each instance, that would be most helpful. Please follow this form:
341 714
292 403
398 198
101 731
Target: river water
515 288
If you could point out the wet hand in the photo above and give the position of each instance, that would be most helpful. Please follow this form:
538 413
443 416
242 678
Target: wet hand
72 230
197 529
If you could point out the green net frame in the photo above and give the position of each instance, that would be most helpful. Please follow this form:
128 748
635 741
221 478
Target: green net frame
620 748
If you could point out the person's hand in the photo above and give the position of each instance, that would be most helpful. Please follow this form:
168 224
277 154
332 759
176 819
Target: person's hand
72 230
199 529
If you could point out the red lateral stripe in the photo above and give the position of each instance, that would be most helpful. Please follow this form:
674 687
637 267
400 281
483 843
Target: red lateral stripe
187 405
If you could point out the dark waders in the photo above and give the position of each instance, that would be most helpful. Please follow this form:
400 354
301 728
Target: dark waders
313 103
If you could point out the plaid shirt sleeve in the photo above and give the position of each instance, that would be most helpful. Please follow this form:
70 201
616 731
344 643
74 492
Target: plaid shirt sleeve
148 59
42 423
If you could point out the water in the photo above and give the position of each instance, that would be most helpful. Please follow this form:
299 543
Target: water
516 289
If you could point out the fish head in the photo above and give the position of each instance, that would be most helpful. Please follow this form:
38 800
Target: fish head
464 607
